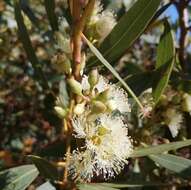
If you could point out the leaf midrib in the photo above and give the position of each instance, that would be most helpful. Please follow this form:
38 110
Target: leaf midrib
127 31
24 175
168 161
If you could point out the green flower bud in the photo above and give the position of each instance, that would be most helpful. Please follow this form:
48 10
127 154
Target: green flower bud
83 63
98 107
60 111
93 78
186 103
103 96
79 108
75 86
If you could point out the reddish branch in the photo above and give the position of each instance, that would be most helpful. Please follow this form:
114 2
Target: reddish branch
181 8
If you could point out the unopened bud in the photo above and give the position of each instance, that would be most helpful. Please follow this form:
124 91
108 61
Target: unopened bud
93 78
83 63
103 96
75 86
60 111
111 105
186 104
98 107
79 108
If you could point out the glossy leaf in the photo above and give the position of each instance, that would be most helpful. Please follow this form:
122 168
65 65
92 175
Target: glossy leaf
165 62
160 148
18 178
181 166
45 168
128 29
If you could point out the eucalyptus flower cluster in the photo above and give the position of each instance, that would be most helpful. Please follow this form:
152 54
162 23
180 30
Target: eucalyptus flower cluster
98 123
93 106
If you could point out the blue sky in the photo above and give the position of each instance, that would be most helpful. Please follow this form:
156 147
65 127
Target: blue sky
171 12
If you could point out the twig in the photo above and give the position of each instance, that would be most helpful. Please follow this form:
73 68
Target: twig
79 24
181 8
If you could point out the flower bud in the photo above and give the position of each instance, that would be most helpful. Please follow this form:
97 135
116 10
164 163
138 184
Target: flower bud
98 107
103 96
75 86
93 78
111 105
83 63
186 104
79 108
60 111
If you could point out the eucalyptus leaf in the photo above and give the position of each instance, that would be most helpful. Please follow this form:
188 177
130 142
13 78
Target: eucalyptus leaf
18 178
181 166
165 62
113 186
45 168
94 187
128 29
46 186
160 148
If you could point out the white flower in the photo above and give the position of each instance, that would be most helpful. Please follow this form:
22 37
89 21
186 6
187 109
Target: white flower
106 143
174 120
104 21
81 166
118 98
105 24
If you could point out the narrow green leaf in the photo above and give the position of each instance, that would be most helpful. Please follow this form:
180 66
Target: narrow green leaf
181 166
112 70
50 8
165 61
46 186
18 178
161 11
24 37
93 187
133 185
45 168
128 29
160 148
114 186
